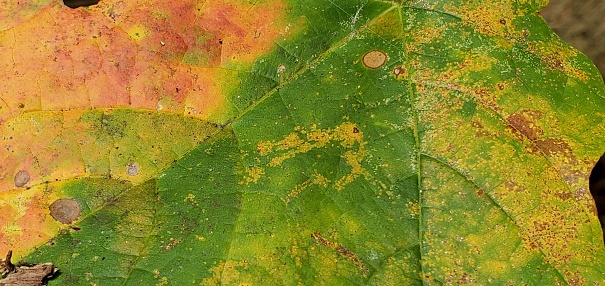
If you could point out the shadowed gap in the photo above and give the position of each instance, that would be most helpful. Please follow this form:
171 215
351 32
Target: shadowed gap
596 184
79 3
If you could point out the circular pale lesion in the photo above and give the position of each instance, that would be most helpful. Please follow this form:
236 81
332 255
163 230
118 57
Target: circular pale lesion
65 210
374 59
133 169
21 178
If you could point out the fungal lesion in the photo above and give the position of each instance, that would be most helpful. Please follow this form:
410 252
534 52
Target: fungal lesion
343 251
347 136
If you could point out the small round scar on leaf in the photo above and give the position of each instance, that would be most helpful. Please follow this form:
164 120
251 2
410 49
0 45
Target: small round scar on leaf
65 210
21 178
133 169
374 59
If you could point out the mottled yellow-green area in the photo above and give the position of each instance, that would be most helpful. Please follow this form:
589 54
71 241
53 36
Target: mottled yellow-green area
434 30
301 141
541 188
492 18
74 144
25 218
557 57
226 273
135 224
389 25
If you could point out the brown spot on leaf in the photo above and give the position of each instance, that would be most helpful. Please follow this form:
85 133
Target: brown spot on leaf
21 178
65 210
563 195
374 59
524 122
553 146
399 72
341 250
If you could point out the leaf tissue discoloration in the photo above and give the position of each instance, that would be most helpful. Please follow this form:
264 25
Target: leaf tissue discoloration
271 142
21 178
65 210
347 135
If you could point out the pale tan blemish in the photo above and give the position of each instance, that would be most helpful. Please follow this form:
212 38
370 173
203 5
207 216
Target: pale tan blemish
374 59
133 169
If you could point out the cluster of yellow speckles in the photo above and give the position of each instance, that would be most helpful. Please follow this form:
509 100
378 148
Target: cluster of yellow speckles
353 160
253 174
413 207
301 141
191 199
317 179
163 281
427 34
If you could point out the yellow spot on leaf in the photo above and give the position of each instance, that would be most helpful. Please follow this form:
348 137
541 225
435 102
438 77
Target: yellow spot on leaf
163 281
138 33
190 198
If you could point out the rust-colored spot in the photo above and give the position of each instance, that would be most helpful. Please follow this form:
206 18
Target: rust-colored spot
65 210
552 146
355 130
133 169
342 251
21 178
398 70
524 123
374 59
502 21
480 193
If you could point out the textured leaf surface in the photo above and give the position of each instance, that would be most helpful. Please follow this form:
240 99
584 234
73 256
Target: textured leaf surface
299 142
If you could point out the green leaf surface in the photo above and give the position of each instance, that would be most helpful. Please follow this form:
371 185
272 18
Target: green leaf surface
375 143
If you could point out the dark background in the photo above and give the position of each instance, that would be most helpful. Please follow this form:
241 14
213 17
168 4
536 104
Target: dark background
581 24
